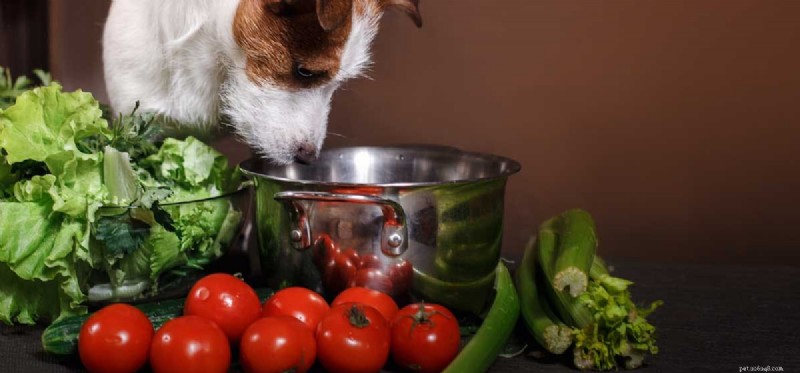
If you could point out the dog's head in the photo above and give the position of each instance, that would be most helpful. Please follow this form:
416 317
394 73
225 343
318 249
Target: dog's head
295 54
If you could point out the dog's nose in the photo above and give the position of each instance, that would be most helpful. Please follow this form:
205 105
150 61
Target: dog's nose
305 153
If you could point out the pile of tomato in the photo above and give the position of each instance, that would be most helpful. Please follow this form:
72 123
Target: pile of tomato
358 332
343 268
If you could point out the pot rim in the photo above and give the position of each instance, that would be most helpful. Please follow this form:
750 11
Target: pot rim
513 167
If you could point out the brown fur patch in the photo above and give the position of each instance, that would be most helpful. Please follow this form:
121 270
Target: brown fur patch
275 44
331 13
410 7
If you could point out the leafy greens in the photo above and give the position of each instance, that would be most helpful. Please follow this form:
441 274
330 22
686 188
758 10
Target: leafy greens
91 211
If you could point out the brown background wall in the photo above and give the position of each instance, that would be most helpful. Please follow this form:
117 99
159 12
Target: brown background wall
23 39
675 122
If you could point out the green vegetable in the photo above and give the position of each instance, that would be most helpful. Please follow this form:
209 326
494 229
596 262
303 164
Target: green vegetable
45 124
44 231
545 327
197 168
620 331
487 343
576 249
10 88
565 306
87 210
467 231
608 328
465 296
61 337
119 177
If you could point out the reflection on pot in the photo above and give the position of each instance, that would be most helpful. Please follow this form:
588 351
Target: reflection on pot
341 269
419 223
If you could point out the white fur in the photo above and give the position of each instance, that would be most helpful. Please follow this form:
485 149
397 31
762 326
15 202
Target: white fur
179 58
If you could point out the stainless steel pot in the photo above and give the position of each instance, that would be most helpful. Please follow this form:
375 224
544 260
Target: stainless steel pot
421 222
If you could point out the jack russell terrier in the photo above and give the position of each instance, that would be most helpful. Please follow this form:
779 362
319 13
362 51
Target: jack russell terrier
267 67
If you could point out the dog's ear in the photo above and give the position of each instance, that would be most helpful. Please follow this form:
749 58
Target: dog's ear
410 7
330 13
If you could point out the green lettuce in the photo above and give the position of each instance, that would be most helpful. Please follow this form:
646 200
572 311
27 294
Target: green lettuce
150 238
85 209
45 121
44 230
38 263
196 168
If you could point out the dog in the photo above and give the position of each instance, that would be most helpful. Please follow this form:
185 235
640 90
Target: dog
267 68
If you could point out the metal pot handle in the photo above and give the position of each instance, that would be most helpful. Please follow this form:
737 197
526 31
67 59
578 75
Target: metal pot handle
395 235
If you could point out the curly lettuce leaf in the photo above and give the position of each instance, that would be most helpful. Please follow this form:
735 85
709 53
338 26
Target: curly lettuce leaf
78 171
198 223
195 168
37 189
38 269
165 251
59 164
46 121
25 302
51 192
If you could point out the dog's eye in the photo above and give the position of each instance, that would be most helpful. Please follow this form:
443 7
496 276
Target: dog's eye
302 72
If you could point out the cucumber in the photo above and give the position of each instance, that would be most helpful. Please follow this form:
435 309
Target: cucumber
61 337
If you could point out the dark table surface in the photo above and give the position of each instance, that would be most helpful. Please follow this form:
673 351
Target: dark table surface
715 318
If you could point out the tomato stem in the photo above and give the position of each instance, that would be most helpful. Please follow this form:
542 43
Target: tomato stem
422 317
357 317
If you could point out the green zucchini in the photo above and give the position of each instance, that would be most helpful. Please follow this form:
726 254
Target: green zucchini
61 337
487 343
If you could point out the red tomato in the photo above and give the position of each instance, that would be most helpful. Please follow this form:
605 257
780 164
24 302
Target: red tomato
276 345
425 337
373 298
373 278
115 339
352 255
353 338
370 261
190 344
337 272
401 274
338 267
323 248
300 303
227 301
389 276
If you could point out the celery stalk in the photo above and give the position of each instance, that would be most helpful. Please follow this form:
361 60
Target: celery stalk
609 329
566 307
575 252
545 327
